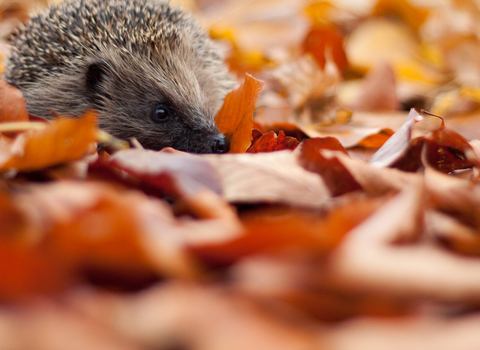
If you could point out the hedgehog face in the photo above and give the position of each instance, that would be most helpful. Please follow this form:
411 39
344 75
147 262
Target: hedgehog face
159 108
128 59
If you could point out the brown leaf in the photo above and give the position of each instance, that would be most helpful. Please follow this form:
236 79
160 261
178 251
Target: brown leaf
274 177
455 197
303 80
448 150
176 174
287 279
349 135
377 181
61 232
326 40
59 142
455 235
269 142
443 149
235 118
370 258
313 157
282 228
12 104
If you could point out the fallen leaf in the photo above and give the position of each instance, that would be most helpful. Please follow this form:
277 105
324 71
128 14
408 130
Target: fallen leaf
326 40
304 80
336 176
284 279
268 177
397 145
270 142
453 234
235 118
177 174
59 142
282 229
376 141
349 135
370 260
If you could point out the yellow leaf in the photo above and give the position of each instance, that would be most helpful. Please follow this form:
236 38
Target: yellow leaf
320 12
411 15
235 119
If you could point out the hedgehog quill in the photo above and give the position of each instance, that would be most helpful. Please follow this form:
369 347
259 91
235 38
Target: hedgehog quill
146 66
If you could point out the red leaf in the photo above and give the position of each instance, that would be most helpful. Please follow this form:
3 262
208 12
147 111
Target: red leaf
337 177
270 142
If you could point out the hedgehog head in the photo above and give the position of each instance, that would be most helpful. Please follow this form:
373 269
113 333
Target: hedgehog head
160 101
145 66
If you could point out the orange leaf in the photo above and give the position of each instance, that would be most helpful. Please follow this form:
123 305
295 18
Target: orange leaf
235 119
376 140
412 15
24 269
62 141
278 228
12 104
323 39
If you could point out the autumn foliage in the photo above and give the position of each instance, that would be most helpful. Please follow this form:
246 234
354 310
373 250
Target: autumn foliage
345 216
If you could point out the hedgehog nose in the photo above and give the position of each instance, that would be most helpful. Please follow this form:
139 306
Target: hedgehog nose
220 144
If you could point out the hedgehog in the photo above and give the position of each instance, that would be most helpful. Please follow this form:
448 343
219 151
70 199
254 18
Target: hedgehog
147 67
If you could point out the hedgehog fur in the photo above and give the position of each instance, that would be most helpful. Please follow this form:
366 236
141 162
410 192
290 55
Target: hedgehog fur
146 66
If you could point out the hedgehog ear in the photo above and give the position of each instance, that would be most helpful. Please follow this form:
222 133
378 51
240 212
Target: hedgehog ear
95 74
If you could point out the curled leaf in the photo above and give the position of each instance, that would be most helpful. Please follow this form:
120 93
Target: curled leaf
235 118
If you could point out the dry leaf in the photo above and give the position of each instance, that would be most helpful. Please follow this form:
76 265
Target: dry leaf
349 135
177 174
62 141
397 145
285 229
269 177
369 260
326 40
336 176
235 118
270 142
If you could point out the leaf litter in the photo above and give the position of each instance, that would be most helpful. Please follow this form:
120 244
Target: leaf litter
344 217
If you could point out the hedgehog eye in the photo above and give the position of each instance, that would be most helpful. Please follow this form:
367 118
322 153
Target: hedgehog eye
161 113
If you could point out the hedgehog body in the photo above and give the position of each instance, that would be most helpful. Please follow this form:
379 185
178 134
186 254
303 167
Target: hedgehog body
148 69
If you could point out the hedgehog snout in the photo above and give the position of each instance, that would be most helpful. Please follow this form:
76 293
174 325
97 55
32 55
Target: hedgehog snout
220 144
